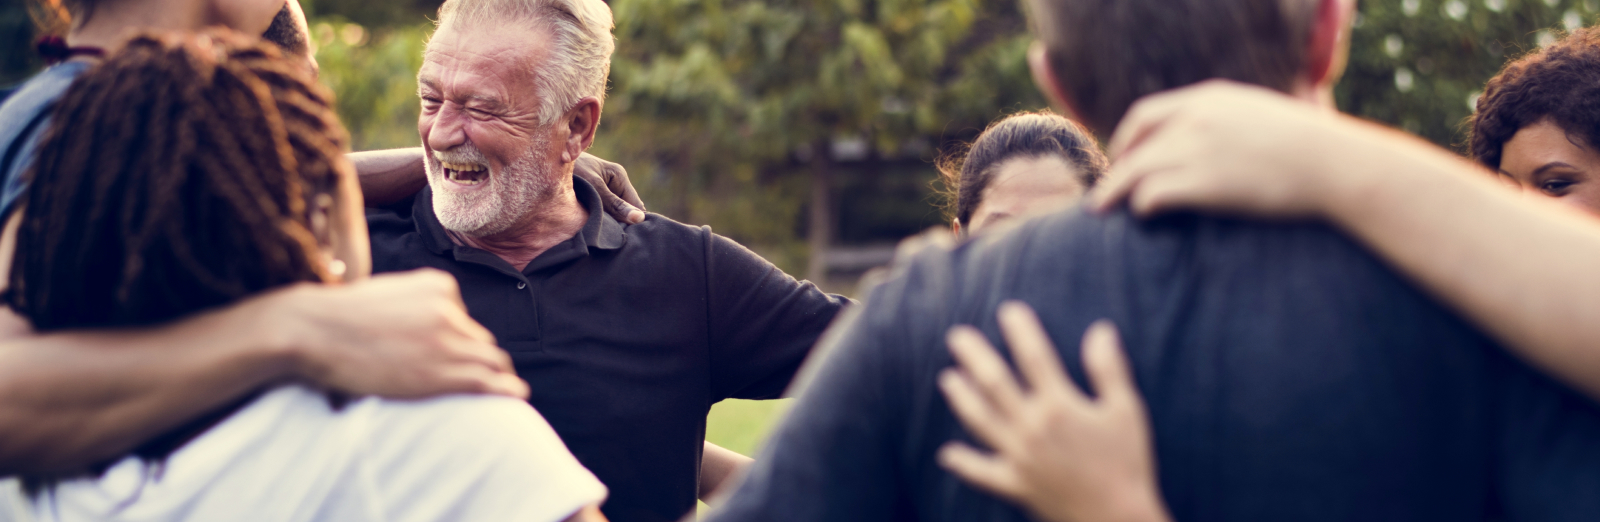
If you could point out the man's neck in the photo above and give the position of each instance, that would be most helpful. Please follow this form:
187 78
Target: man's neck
551 223
111 22
1318 94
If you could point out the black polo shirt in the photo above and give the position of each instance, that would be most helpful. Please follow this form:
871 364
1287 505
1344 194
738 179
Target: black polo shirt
627 334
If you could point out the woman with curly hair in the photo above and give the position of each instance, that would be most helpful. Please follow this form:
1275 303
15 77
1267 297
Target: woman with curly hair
1538 121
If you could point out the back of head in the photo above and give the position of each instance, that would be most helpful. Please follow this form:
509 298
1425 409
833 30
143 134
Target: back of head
1560 81
1108 53
966 173
580 59
176 176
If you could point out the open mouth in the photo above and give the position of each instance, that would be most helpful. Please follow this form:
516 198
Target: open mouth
465 173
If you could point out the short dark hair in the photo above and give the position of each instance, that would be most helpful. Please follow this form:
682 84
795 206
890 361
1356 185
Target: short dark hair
966 171
286 34
1560 82
1108 53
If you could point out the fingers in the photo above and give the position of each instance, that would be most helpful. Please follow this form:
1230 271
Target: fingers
971 408
987 370
985 472
1106 364
1143 120
1176 189
617 180
617 195
1036 355
1114 188
468 378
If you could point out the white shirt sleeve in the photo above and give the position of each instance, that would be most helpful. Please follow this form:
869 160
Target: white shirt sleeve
470 458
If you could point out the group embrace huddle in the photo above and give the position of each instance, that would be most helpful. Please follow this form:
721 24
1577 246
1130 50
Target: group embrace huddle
214 311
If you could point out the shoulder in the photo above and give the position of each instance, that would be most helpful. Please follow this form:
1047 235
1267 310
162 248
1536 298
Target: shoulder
662 239
657 227
478 457
36 95
484 425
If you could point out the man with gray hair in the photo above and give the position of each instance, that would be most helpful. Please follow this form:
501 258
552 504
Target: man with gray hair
626 334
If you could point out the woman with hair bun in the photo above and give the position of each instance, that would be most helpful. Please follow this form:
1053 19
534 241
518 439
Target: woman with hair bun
1024 164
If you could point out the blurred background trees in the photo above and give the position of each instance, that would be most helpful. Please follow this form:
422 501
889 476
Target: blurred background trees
807 128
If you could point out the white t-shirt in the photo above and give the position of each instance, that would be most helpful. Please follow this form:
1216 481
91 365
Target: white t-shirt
289 457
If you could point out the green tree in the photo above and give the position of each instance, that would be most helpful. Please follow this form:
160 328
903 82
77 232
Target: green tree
745 98
1420 64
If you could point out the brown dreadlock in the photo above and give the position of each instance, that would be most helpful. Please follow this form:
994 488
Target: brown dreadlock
176 176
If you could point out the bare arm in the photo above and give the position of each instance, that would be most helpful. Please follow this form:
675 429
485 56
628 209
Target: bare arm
1522 268
71 399
390 176
718 465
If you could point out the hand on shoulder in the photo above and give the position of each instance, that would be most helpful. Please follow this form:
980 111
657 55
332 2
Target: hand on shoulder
1059 453
1226 147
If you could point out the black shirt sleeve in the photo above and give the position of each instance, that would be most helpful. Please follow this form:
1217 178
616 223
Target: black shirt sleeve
835 456
762 321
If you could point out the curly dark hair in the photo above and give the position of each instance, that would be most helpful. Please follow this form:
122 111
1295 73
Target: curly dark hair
966 170
1560 82
181 174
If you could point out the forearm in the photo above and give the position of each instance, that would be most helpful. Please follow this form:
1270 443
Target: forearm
717 466
389 176
69 400
1521 268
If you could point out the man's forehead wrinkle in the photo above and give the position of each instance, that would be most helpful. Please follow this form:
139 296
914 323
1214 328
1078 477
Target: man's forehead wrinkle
489 68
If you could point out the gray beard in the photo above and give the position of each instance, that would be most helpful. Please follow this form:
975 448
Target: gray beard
513 193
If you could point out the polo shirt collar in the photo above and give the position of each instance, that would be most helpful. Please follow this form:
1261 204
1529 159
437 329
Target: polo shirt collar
601 232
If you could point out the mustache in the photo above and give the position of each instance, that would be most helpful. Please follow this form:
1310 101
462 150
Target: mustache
461 154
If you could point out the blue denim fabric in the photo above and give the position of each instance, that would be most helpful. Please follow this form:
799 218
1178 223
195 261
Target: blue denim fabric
1289 375
24 116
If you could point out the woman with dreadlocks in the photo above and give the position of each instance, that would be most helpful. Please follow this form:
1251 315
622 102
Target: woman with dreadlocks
186 173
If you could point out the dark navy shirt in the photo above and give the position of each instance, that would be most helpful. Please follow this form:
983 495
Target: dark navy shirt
627 334
24 116
1289 376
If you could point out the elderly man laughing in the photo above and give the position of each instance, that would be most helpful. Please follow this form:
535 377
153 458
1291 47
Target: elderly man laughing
626 334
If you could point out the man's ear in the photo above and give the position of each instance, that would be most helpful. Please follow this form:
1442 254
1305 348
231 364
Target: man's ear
1044 76
582 121
955 227
1329 42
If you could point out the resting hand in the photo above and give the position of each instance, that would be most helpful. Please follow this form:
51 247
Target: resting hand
617 194
1226 147
1060 454
399 335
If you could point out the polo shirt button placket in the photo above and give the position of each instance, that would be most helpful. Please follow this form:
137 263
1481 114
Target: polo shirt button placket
522 285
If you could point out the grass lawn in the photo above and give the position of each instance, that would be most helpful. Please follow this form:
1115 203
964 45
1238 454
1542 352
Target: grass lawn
743 425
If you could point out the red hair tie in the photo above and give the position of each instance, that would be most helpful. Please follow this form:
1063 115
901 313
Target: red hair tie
54 50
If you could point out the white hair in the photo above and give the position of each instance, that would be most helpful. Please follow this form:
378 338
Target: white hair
580 58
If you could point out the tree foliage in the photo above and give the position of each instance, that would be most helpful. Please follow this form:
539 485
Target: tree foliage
719 108
1420 64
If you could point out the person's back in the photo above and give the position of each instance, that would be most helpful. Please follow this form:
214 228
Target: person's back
185 173
1289 375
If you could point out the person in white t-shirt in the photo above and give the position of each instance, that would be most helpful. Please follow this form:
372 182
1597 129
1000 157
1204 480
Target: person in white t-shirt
141 212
